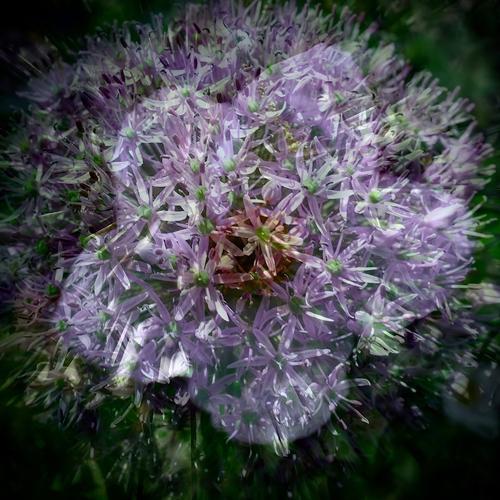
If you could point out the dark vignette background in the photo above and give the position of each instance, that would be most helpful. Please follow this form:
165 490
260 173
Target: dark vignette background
458 42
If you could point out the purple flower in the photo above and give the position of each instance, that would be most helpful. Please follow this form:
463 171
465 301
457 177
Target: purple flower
262 197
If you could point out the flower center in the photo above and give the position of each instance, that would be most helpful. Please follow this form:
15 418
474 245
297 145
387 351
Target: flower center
201 278
334 266
263 233
254 253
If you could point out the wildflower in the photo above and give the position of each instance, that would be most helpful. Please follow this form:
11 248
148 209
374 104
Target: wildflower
255 208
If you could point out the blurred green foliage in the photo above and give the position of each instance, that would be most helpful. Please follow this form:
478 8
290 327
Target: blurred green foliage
457 41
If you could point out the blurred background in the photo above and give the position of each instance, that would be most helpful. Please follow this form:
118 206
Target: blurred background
451 453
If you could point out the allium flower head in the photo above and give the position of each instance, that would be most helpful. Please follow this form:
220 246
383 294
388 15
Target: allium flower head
249 198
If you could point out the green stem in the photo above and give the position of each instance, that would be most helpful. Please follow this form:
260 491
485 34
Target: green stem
193 452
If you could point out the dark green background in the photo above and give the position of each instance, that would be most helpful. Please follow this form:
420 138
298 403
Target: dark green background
458 42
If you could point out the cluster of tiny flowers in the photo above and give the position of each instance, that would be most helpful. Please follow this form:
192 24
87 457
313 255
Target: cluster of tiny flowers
248 197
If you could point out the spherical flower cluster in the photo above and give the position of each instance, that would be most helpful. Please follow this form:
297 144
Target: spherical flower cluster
248 197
